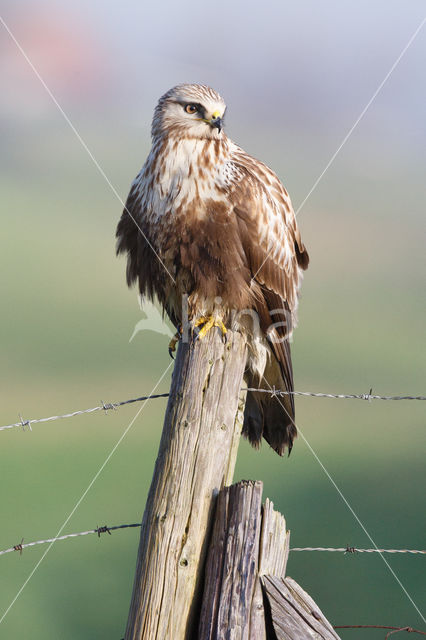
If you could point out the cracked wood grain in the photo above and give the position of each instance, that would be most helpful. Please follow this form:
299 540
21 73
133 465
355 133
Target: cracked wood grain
196 459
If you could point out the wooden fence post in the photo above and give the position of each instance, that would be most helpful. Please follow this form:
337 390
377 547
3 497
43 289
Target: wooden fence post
196 459
247 595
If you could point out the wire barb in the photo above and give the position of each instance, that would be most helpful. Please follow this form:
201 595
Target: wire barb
24 423
368 396
350 549
18 547
106 407
103 529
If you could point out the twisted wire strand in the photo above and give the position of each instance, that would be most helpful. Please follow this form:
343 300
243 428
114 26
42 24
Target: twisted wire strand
274 392
104 406
380 626
99 530
356 550
105 529
352 396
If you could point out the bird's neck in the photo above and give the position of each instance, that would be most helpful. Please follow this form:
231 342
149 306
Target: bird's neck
181 153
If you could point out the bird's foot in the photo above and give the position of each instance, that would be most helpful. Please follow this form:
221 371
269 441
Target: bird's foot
206 323
173 342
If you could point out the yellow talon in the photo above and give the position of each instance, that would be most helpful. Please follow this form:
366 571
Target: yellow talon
208 322
207 325
200 320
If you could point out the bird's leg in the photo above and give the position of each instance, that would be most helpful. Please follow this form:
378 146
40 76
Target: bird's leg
173 342
207 323
201 320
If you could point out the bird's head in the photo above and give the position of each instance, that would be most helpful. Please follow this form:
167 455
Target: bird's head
190 110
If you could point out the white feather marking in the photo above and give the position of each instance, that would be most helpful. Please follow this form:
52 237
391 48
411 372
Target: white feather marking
177 177
258 353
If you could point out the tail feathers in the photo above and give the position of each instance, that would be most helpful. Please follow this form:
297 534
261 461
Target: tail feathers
269 416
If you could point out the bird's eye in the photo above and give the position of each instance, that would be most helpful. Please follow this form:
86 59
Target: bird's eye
191 108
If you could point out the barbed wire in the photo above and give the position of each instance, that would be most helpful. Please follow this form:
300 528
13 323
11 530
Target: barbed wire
379 626
99 530
274 392
349 549
341 396
105 529
104 406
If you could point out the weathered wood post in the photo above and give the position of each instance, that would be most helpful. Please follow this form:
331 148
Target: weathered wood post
247 595
196 459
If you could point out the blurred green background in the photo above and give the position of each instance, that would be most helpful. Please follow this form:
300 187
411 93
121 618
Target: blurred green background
296 78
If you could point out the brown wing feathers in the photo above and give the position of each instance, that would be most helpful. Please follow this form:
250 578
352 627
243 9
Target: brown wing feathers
277 283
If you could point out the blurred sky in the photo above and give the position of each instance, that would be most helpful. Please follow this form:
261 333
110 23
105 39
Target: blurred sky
271 60
295 76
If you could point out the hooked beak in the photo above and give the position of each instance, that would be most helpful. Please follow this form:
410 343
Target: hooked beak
217 123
